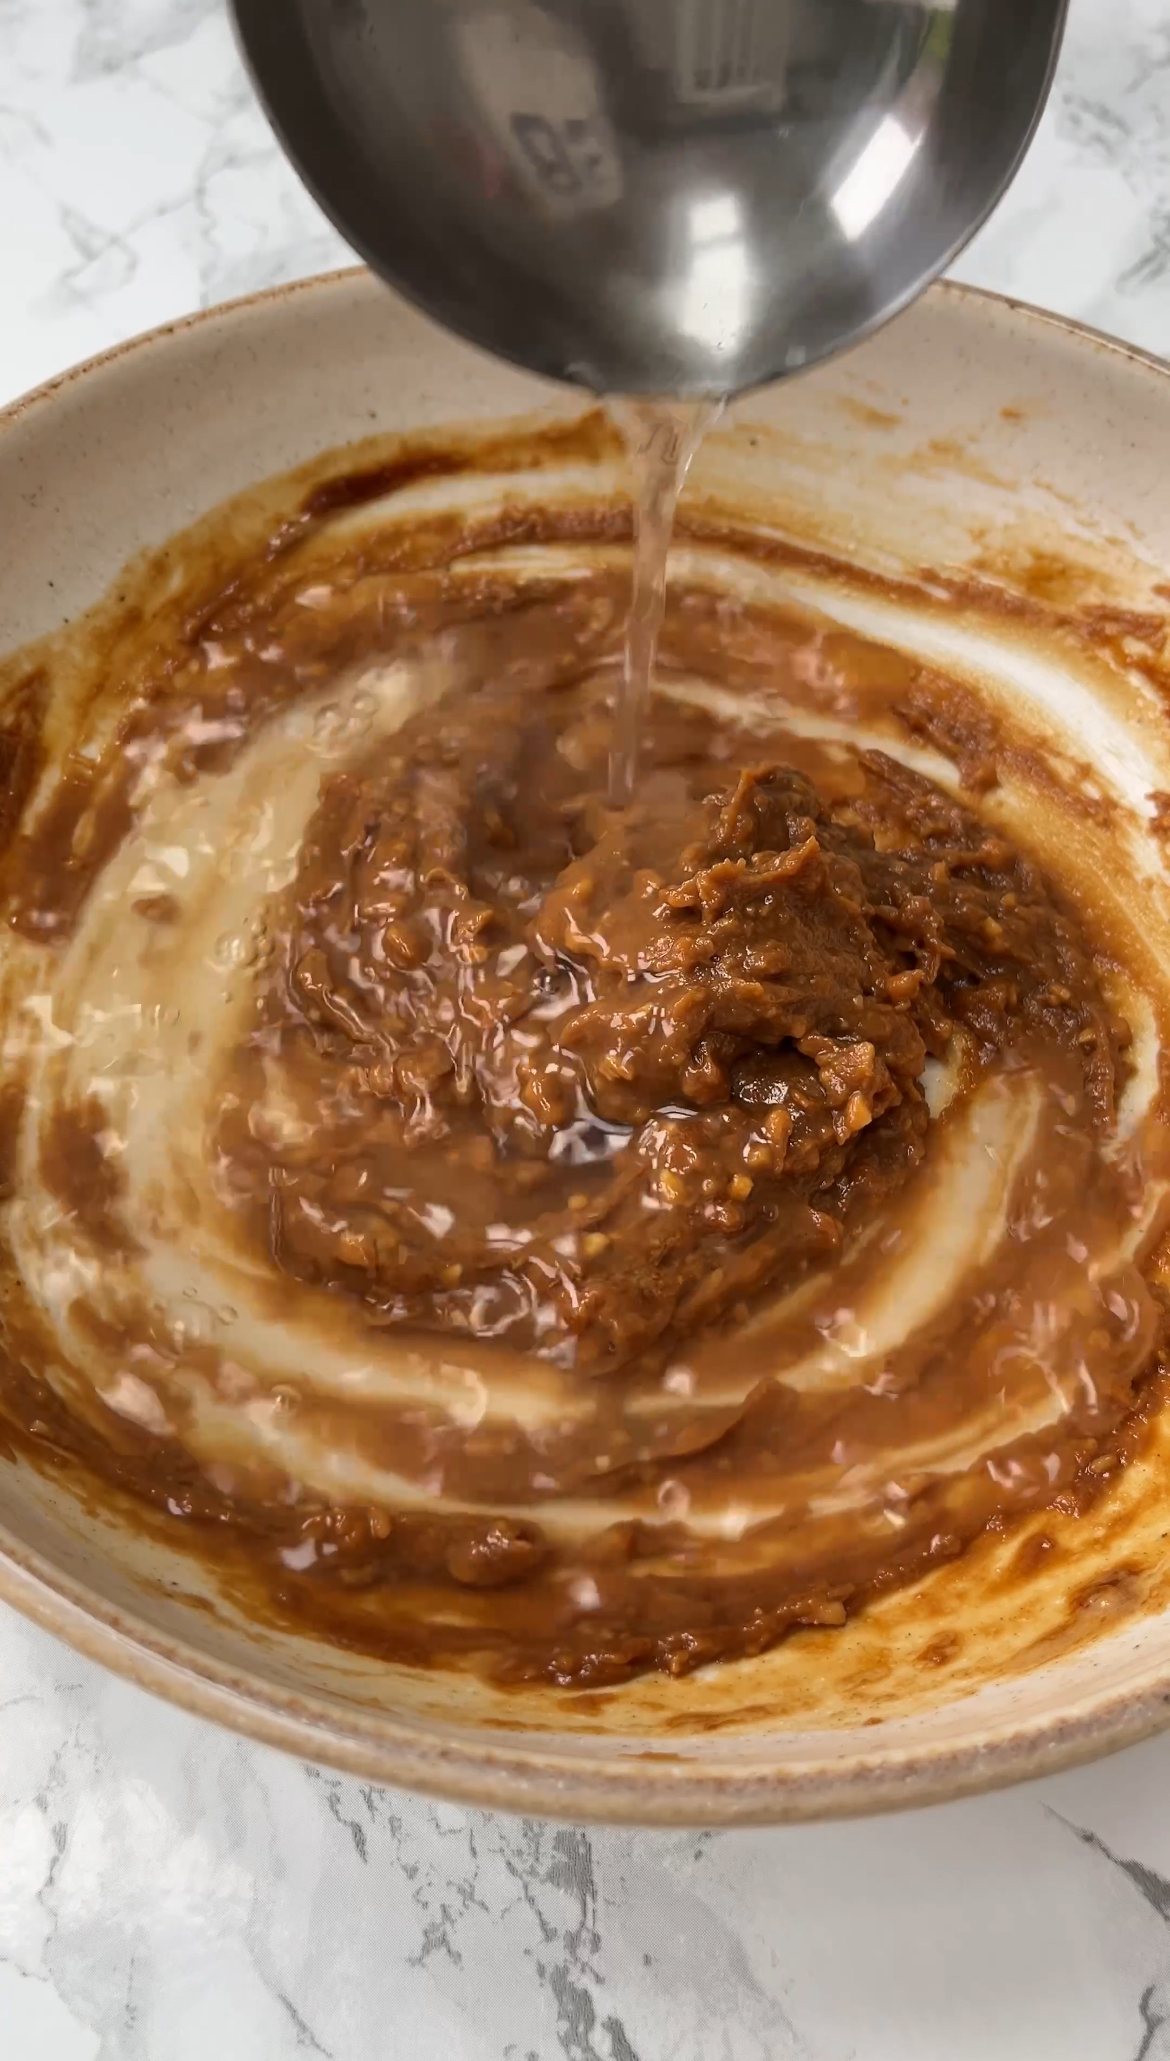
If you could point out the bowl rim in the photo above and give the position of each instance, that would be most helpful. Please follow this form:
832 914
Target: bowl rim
648 1785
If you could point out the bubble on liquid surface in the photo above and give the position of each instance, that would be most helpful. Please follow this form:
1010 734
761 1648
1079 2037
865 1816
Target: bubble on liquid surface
338 726
229 950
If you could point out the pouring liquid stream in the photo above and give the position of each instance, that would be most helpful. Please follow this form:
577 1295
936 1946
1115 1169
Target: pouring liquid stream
662 437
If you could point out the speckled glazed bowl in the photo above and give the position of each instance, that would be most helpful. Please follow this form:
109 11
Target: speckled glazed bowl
980 485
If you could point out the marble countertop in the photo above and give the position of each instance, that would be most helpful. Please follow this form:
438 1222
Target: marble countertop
168 1889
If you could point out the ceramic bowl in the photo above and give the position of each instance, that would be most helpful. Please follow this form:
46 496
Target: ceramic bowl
980 484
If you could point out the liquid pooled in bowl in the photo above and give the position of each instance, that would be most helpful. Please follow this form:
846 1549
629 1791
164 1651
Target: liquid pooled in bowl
516 1228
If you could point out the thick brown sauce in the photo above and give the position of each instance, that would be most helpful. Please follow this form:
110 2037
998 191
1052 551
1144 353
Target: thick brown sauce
577 1095
582 1082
